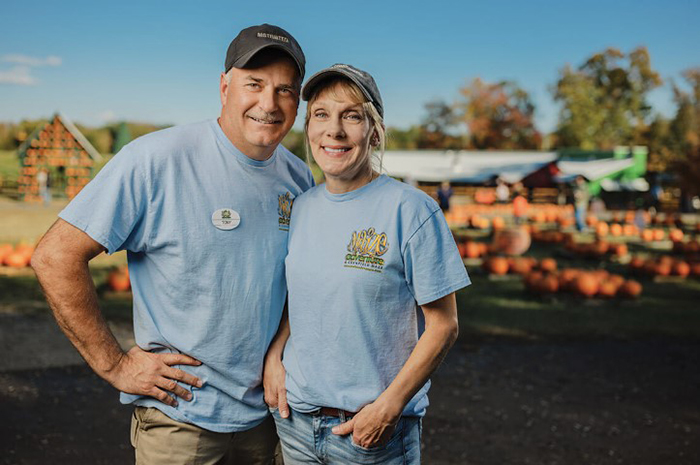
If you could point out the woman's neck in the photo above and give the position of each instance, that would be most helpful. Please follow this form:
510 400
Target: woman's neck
337 185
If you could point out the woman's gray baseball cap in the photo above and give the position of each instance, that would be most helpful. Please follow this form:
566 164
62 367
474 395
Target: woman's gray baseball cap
253 39
362 78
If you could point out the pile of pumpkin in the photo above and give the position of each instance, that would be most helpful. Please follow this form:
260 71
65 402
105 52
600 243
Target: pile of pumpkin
663 265
545 278
16 257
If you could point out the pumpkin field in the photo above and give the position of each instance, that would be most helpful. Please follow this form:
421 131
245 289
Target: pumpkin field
574 347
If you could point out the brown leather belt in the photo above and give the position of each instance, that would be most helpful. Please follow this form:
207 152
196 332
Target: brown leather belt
336 412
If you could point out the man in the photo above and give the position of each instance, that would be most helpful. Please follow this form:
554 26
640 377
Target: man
203 212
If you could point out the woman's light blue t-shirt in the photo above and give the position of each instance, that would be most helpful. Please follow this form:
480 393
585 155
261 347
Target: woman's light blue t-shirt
359 264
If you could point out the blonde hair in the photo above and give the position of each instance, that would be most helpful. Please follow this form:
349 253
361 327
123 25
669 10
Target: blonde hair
335 87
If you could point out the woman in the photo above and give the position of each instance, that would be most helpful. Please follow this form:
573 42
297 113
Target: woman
363 250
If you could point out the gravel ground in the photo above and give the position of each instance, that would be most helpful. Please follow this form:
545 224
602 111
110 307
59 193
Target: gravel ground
492 403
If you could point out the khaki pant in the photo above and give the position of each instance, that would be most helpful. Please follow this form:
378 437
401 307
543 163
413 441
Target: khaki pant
160 440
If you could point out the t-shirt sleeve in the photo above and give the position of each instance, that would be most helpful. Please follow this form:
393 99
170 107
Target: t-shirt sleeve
432 262
112 208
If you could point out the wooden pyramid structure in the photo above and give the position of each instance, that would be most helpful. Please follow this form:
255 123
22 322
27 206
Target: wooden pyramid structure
61 149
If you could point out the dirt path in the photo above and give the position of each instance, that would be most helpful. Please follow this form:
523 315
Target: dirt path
495 403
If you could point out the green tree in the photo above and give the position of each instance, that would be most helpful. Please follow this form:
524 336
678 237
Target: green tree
604 101
498 116
121 136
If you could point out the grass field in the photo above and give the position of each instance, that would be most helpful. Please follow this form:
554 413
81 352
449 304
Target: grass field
9 164
490 307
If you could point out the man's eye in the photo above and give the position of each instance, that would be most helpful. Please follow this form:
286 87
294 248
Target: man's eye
254 85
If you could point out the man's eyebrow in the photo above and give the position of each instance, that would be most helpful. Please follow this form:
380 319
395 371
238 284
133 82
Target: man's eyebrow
251 78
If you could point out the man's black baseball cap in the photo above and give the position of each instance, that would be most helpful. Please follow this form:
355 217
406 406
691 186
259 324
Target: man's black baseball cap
253 39
362 78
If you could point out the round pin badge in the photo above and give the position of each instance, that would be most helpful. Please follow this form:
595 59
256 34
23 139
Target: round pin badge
226 218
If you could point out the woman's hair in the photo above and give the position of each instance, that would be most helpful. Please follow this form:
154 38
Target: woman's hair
335 86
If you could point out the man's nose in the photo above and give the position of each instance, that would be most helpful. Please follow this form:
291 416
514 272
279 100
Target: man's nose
268 100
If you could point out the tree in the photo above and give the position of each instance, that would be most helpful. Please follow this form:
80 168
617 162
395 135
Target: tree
498 116
121 136
438 129
604 101
684 132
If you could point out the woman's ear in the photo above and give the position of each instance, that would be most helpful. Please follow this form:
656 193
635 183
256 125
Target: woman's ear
374 140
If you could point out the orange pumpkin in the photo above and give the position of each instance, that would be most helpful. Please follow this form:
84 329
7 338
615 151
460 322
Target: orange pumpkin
630 289
16 260
616 229
602 229
548 264
608 289
497 265
680 268
586 285
676 235
118 280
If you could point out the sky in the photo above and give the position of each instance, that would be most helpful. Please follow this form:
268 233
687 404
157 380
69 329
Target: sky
160 62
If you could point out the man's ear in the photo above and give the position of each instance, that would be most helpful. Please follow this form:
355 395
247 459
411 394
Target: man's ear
223 88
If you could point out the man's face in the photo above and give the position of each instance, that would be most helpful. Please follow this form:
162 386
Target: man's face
259 105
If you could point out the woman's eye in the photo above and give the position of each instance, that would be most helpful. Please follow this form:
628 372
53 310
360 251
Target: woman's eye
354 117
320 114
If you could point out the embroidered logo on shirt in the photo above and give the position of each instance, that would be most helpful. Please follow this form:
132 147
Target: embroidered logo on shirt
365 248
285 210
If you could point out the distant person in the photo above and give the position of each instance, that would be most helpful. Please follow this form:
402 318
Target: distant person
581 198
203 212
372 272
657 193
444 194
502 191
520 205
43 179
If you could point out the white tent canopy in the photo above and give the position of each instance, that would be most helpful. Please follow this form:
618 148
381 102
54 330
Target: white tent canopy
464 166
592 169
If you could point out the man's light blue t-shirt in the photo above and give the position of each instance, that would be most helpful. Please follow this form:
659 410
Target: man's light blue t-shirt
358 265
204 283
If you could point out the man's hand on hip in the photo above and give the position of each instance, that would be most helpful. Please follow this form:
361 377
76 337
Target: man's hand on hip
148 374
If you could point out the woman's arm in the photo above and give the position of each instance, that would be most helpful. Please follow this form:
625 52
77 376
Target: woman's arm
375 422
273 370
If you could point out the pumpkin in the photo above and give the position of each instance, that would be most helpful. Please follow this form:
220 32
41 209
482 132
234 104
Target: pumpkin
630 289
676 235
511 241
497 265
16 260
586 285
608 289
616 230
118 280
680 268
548 264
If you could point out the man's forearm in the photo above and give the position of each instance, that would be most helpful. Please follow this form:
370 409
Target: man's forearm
71 295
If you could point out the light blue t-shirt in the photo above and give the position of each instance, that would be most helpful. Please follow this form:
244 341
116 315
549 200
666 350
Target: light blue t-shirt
201 286
358 264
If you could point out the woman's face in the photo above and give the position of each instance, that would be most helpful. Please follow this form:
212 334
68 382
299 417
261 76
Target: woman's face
339 134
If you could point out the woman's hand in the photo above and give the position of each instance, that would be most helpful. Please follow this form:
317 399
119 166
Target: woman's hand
372 426
273 383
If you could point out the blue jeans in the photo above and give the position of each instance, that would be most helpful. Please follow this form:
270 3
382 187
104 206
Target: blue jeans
307 438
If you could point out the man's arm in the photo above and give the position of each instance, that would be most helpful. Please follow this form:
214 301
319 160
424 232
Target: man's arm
375 422
61 264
